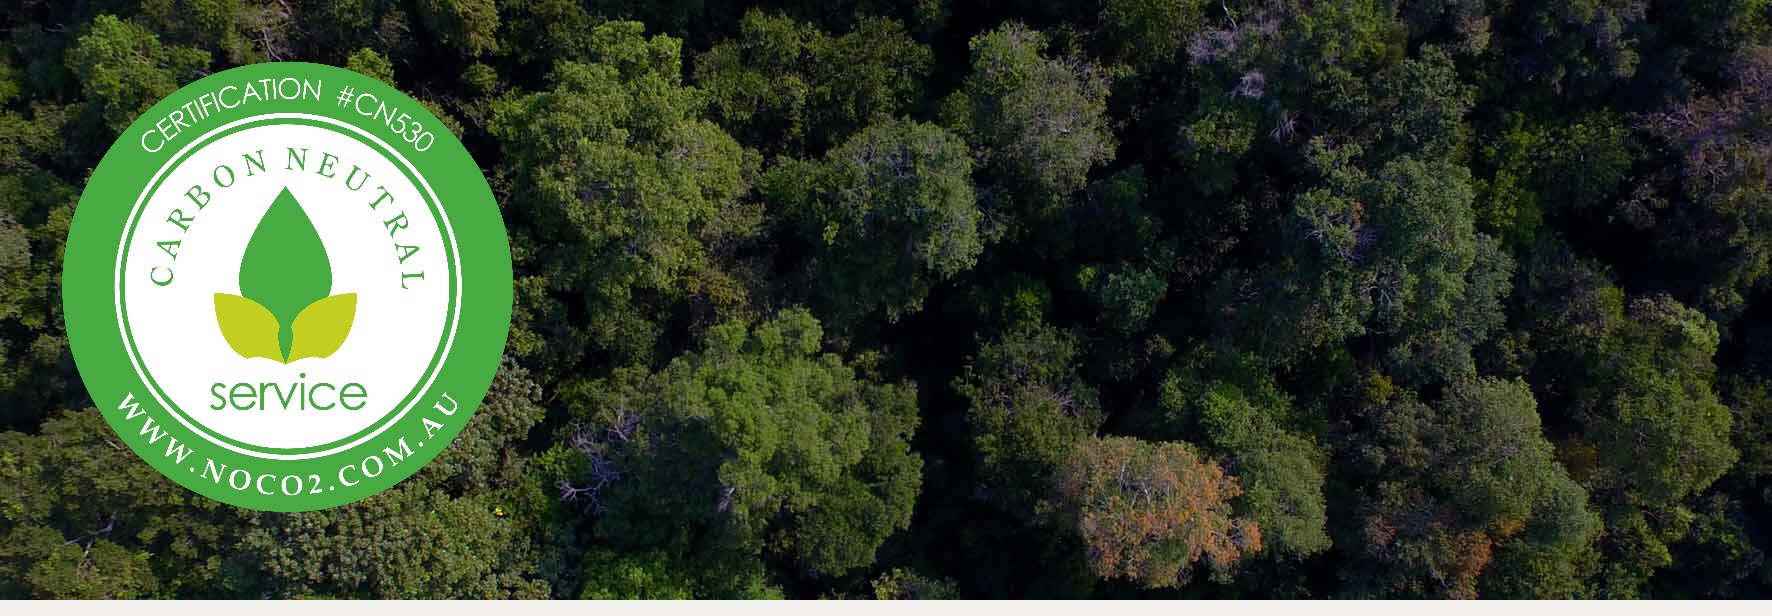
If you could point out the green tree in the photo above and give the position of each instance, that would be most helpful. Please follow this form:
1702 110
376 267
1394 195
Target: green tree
756 446
651 576
1422 107
1029 411
1570 303
325 30
1039 123
1712 214
545 31
486 454
784 86
1151 31
1649 431
1649 409
1442 487
83 518
124 69
1124 255
1576 47
1239 414
891 211
1127 294
372 64
468 27
619 193
1393 253
238 31
407 542
1750 399
37 374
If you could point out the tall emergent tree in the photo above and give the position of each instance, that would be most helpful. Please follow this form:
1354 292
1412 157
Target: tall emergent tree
756 446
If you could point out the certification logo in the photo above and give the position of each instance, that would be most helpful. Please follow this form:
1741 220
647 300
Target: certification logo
287 286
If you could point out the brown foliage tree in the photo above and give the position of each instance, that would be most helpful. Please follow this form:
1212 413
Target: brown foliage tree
1149 511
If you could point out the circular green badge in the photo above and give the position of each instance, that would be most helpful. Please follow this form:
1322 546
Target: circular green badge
287 286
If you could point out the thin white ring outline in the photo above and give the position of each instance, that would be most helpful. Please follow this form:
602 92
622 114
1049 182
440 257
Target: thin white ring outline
129 344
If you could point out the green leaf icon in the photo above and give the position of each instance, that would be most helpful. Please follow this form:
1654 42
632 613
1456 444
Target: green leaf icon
285 310
285 266
321 328
249 329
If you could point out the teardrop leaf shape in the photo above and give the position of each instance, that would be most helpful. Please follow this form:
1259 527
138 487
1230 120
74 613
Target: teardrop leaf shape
249 329
322 328
285 267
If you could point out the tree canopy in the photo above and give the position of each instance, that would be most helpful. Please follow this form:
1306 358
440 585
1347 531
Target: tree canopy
1117 299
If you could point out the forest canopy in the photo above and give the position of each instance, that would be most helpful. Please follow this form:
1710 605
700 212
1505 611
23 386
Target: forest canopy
938 299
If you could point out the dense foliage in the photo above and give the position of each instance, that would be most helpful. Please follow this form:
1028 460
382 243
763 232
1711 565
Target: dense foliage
1118 298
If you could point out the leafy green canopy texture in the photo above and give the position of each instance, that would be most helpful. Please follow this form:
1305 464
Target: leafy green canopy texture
1246 418
1459 483
285 310
1029 411
629 191
892 211
1130 298
1039 122
758 445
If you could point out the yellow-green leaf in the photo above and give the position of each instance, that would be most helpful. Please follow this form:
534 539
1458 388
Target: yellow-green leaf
249 329
321 328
